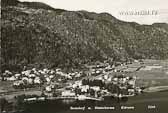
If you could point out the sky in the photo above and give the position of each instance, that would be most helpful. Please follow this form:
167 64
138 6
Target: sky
140 11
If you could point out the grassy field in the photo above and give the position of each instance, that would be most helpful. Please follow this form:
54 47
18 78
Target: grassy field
153 73
6 86
8 92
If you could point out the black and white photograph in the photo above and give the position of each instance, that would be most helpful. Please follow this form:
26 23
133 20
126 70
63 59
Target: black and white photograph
84 56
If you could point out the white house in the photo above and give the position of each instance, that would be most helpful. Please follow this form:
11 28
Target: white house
96 88
11 78
48 89
68 93
84 88
37 80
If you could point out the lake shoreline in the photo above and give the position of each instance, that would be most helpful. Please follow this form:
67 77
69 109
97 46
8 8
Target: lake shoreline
155 89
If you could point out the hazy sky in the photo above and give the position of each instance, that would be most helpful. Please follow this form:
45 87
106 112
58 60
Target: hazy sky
154 10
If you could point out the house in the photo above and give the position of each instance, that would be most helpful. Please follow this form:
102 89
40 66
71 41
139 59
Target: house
12 78
58 69
26 73
98 71
46 70
18 83
51 76
37 80
131 82
25 79
115 79
105 77
48 89
7 72
100 78
84 88
32 75
78 75
48 79
41 98
30 81
109 79
52 72
17 75
30 99
67 93
95 88
82 97
78 83
131 91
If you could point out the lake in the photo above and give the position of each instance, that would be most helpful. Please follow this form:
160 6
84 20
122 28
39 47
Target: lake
156 102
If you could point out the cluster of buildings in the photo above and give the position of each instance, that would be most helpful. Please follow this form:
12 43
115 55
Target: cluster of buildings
79 91
126 85
38 77
95 83
102 69
118 86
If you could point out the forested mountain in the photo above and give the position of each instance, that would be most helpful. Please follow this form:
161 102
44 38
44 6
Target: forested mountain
35 33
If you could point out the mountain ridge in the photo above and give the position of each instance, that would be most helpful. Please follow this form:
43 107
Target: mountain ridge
60 38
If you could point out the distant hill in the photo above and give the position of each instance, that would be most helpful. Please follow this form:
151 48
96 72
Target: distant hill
38 5
9 2
35 33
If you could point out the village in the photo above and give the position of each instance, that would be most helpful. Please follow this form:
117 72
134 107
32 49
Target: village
97 82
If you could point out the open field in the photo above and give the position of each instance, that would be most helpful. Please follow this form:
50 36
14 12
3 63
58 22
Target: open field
8 92
6 86
153 73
